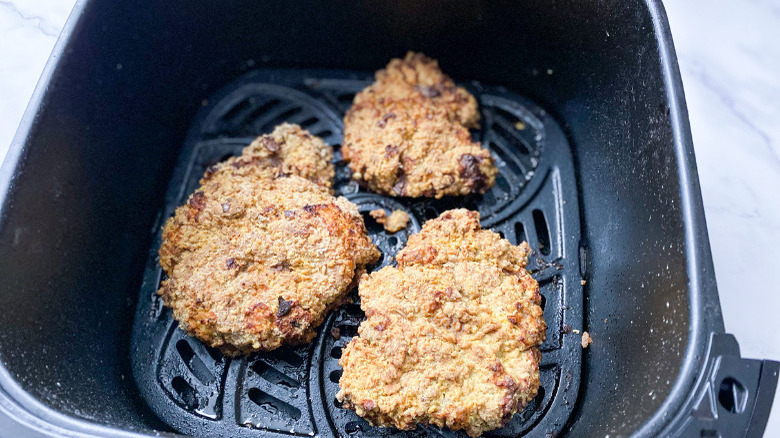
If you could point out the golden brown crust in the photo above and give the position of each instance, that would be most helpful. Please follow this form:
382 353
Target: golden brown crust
406 134
451 335
288 150
415 152
255 259
419 78
456 236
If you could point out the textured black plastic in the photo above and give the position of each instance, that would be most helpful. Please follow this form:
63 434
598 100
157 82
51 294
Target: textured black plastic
733 396
292 390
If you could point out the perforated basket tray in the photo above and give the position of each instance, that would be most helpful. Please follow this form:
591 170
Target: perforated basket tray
291 391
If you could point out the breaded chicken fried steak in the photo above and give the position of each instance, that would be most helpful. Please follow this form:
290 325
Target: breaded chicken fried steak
262 250
407 134
451 334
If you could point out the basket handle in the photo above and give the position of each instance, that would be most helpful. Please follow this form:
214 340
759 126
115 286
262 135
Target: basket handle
734 396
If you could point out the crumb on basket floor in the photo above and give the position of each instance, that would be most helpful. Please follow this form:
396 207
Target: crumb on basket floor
586 340
397 221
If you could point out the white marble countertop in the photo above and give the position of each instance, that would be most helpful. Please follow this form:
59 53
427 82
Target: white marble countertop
730 62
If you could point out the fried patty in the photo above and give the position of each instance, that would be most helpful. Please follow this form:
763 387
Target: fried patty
406 134
451 334
419 78
288 150
258 254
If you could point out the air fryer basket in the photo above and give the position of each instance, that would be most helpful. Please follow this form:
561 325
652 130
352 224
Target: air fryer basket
582 107
292 390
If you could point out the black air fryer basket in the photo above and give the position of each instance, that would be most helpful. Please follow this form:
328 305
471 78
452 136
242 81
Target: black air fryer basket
582 108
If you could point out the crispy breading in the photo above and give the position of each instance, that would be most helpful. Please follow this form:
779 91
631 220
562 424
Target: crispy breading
255 258
288 150
451 335
406 134
409 148
419 78
397 221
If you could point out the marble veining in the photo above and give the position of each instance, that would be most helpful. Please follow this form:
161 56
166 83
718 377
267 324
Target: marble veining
730 64
45 26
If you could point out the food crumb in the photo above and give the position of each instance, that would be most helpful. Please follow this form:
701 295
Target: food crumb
575 331
566 329
336 333
519 125
582 282
586 340
397 220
